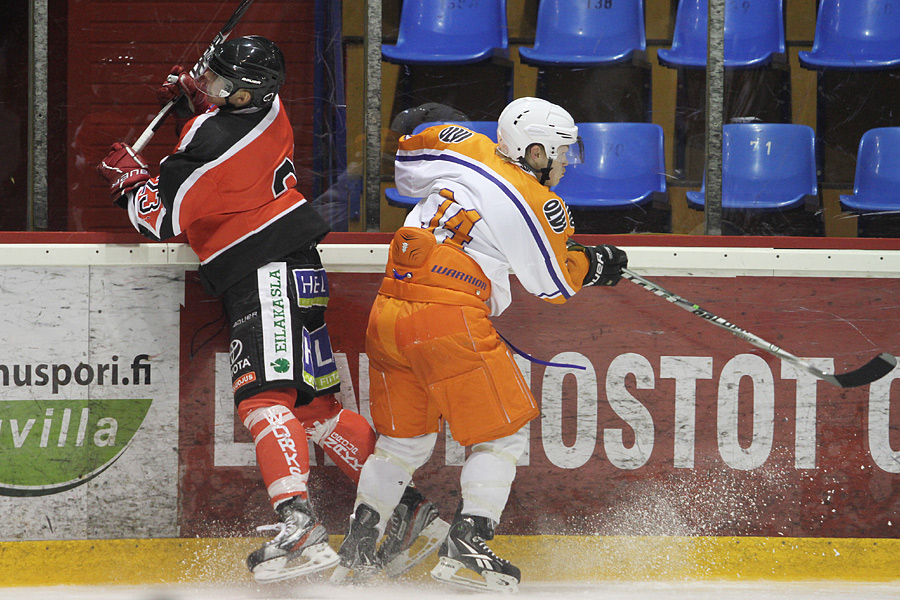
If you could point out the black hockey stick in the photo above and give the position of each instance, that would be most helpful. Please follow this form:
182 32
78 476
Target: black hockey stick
873 370
195 72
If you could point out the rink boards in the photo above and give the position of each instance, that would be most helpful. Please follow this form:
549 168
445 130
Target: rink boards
677 452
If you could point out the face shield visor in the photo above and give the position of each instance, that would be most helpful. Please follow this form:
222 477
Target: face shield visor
212 84
574 154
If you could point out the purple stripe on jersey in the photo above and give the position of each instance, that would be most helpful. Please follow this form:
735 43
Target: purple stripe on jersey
549 260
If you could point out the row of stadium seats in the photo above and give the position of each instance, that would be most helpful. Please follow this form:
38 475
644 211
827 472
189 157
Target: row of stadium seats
624 165
850 34
591 58
766 167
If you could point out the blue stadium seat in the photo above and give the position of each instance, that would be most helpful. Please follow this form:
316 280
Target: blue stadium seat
450 33
855 34
754 34
766 167
876 187
623 167
488 128
586 34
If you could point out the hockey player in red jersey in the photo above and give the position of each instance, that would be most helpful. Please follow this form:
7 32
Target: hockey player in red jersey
229 186
433 353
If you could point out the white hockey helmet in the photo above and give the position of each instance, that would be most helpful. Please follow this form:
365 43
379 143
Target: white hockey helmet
529 121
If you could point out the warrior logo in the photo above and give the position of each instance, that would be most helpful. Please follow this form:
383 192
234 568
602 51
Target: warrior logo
555 212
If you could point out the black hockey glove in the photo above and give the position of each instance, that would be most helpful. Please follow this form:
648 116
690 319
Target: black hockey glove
606 264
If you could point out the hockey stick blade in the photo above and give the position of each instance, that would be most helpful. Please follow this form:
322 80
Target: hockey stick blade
873 370
195 72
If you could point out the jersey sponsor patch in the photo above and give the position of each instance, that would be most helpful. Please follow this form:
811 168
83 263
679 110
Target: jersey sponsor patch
275 315
555 212
319 368
242 381
242 360
454 134
312 287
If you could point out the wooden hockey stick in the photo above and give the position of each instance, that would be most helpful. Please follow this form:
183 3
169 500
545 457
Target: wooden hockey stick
873 370
195 72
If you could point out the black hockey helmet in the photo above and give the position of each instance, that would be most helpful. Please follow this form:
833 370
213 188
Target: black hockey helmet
252 63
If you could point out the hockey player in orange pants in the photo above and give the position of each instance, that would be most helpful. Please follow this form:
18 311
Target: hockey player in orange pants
229 186
434 355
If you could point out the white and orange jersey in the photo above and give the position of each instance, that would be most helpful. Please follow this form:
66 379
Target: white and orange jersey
229 186
500 214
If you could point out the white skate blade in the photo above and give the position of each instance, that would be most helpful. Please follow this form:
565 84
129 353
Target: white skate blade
312 560
430 538
340 574
343 575
447 571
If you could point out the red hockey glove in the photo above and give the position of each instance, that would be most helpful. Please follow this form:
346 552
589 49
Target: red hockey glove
124 170
179 83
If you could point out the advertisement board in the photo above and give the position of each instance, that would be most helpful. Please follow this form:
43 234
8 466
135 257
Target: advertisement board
674 427
116 417
89 402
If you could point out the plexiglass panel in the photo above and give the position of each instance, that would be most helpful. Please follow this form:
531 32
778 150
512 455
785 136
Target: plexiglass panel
605 61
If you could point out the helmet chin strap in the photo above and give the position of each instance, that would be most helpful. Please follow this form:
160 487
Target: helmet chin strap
228 105
545 172
543 175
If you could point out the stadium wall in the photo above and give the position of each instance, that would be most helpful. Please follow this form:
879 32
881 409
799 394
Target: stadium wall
678 452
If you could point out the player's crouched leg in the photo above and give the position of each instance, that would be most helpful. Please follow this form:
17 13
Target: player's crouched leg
485 480
300 546
387 502
345 436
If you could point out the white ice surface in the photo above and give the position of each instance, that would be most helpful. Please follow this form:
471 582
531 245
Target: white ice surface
427 591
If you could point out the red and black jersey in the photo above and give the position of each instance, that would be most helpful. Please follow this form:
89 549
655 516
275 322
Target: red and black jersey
229 186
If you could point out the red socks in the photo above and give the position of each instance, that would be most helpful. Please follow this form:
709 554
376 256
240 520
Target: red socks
280 432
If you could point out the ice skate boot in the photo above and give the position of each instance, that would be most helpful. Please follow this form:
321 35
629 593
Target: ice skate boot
414 531
465 549
300 547
358 561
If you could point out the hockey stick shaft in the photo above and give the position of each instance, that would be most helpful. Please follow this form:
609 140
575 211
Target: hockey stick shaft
871 371
153 127
195 72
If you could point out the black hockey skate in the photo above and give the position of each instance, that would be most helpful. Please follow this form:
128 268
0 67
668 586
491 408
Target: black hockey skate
300 547
413 533
358 560
465 548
